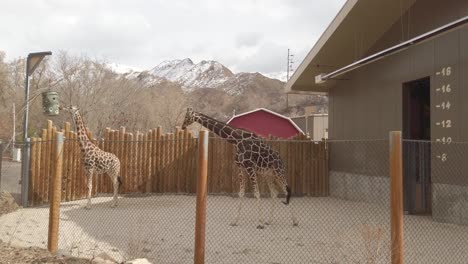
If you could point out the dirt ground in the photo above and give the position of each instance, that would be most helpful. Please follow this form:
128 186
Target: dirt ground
9 200
22 255
15 254
161 228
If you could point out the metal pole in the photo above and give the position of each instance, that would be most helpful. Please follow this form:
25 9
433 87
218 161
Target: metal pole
55 198
25 149
287 71
396 197
25 155
26 101
14 130
202 175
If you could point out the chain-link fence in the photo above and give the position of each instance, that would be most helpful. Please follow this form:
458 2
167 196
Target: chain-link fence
340 197
435 187
10 173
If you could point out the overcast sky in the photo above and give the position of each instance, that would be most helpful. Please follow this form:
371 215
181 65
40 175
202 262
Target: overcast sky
244 35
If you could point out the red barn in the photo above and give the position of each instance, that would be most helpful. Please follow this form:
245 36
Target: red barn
264 122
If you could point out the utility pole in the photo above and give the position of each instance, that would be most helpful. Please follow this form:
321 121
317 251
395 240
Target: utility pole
289 68
14 130
289 65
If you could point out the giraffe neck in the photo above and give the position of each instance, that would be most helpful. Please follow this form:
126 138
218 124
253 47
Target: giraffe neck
83 139
221 129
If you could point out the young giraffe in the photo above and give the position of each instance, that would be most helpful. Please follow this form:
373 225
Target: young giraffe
252 155
94 159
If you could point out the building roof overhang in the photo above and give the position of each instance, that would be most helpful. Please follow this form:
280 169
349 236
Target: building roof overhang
337 46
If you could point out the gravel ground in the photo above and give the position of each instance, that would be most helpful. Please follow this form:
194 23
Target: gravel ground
14 254
161 228
22 255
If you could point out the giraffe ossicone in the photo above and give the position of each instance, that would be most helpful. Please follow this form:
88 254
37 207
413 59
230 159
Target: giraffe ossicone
94 159
254 157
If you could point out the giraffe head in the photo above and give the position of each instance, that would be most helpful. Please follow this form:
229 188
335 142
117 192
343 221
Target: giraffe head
189 118
71 109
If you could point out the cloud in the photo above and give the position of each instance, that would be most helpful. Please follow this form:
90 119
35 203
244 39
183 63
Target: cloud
245 35
248 39
269 58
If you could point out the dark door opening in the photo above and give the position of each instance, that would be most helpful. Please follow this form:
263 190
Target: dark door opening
416 146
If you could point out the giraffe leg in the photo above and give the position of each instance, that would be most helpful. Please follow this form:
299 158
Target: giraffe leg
259 206
89 174
116 188
291 210
274 196
253 179
241 197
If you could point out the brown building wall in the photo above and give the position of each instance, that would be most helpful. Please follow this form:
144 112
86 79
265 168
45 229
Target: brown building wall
369 104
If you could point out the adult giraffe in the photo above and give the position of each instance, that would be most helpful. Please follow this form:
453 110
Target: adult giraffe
254 157
94 159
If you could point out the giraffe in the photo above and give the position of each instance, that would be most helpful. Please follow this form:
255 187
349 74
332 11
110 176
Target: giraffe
254 157
94 159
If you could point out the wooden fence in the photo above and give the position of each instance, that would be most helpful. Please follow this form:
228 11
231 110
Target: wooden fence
154 162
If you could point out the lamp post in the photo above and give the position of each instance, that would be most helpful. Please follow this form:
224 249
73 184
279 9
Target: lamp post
33 60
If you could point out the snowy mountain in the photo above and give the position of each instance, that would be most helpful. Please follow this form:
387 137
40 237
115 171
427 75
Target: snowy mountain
172 70
212 88
205 74
278 75
121 69
240 82
191 76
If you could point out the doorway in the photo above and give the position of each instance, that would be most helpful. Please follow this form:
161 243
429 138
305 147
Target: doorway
417 147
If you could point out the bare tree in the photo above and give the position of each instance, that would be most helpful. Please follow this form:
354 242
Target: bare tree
109 99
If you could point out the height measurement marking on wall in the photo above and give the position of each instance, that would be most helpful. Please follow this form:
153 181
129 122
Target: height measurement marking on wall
446 71
442 157
444 105
444 89
445 140
444 123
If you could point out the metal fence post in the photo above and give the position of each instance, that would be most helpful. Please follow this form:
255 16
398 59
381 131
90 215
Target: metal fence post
55 197
202 174
396 197
25 172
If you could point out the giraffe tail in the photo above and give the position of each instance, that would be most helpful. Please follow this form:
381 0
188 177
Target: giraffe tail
119 179
288 195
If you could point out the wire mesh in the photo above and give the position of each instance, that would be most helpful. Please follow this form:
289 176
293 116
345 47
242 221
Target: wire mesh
10 173
435 201
340 197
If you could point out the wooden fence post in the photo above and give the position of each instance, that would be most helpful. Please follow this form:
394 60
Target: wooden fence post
54 211
396 197
1 158
202 174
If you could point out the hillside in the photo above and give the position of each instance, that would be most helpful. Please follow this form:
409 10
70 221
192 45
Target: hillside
212 87
113 96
